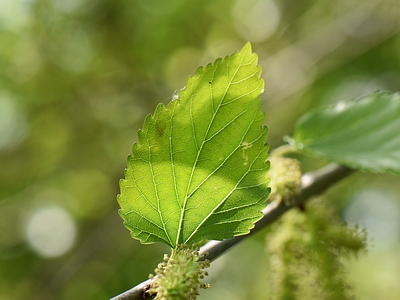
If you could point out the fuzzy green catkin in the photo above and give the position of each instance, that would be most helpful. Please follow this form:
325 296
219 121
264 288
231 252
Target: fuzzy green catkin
305 251
178 276
285 174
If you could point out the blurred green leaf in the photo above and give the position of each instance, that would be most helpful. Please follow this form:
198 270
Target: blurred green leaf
199 168
361 134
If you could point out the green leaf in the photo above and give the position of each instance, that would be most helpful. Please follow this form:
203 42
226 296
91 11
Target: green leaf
361 134
199 168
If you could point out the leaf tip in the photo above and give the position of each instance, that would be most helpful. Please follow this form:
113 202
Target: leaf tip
247 48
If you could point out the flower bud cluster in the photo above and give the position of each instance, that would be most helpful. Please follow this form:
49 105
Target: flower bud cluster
285 174
178 276
306 250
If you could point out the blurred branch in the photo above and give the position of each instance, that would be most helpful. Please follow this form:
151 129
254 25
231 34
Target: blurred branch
313 183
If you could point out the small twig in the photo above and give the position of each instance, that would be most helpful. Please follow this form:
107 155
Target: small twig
313 183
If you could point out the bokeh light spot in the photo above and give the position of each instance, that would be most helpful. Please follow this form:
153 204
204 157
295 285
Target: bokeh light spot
340 106
50 231
255 20
180 65
288 70
13 14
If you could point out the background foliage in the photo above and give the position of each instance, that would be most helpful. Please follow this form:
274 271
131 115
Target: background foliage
77 79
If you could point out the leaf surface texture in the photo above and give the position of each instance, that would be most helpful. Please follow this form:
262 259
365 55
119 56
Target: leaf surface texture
199 169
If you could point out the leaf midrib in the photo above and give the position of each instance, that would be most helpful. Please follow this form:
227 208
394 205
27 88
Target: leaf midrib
183 209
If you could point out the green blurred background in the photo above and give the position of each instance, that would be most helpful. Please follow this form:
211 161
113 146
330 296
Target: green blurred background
77 79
